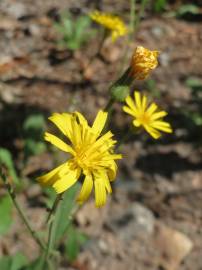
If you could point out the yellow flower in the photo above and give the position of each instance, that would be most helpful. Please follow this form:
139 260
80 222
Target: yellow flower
147 115
143 61
111 22
91 156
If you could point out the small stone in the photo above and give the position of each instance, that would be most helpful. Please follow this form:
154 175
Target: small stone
103 246
173 246
135 221
17 10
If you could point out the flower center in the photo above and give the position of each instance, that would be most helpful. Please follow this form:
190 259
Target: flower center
81 158
144 119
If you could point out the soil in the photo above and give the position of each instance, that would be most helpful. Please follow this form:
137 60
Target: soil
159 187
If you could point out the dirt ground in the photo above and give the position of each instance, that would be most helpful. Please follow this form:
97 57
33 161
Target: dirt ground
153 220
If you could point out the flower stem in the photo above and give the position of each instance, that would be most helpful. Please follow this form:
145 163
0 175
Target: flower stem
54 207
101 43
108 107
20 212
51 232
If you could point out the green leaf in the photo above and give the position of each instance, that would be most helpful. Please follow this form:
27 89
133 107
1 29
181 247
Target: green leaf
159 5
72 246
194 83
63 215
189 8
33 147
35 265
5 263
15 262
34 126
6 159
68 26
18 261
73 44
74 31
83 22
5 214
51 195
74 241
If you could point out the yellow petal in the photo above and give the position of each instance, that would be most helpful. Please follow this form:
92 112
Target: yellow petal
152 108
49 178
63 122
129 111
76 132
161 123
112 157
100 192
58 143
67 181
136 123
85 189
158 115
138 102
112 169
153 132
144 103
81 118
163 126
105 179
99 122
129 101
101 140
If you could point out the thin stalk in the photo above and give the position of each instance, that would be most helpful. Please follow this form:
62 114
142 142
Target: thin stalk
101 43
51 232
108 107
100 46
141 12
20 212
54 207
132 18
132 26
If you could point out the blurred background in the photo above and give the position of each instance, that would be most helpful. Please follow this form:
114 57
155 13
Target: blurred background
49 63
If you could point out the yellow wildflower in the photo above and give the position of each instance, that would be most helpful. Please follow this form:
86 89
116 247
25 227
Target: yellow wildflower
111 22
143 61
91 156
146 115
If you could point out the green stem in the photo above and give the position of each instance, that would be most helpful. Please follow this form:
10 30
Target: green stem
20 212
132 18
100 45
51 232
54 207
141 12
108 107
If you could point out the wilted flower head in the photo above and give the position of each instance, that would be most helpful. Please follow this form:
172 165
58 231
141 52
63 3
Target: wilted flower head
111 22
91 155
147 116
143 62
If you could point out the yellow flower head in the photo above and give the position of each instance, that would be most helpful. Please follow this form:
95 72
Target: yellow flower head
143 61
111 22
91 155
146 115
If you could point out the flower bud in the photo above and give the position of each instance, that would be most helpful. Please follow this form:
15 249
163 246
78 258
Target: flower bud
143 62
